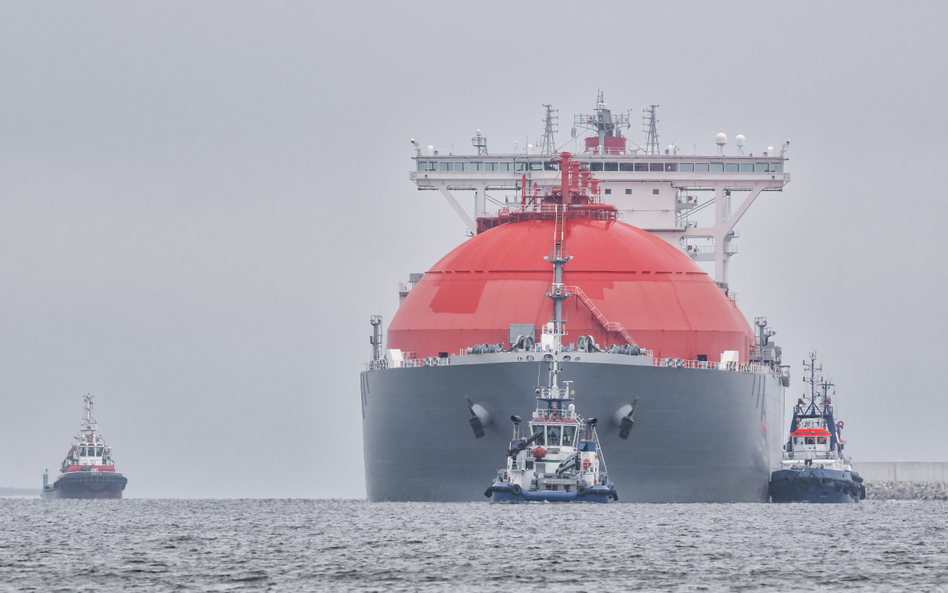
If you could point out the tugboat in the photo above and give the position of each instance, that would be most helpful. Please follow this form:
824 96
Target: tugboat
814 466
562 460
88 470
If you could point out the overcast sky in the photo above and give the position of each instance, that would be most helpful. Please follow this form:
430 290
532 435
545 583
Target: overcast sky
201 203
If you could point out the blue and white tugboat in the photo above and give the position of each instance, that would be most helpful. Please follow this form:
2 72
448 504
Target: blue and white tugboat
815 468
561 461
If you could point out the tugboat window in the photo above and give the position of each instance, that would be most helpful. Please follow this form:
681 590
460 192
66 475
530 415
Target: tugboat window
538 429
553 436
810 440
98 451
568 433
821 440
82 451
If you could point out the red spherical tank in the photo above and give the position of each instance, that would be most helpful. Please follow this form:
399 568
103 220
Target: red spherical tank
498 278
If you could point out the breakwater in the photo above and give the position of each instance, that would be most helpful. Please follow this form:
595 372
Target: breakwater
906 490
904 480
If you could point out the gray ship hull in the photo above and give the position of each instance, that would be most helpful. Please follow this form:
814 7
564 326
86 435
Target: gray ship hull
700 435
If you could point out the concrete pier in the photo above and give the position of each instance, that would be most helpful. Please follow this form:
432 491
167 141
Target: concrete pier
902 471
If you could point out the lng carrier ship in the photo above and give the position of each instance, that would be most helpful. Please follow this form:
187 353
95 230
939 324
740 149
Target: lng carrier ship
641 319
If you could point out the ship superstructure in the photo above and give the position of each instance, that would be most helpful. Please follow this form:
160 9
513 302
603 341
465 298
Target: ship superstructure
88 471
659 191
639 318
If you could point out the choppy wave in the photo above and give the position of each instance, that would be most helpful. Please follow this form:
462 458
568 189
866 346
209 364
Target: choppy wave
306 545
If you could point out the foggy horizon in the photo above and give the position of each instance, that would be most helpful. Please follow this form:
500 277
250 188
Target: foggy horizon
202 204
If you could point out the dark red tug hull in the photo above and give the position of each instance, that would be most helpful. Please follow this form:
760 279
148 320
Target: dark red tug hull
87 485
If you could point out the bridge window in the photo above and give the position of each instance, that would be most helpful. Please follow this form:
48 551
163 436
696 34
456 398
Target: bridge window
569 432
701 167
446 166
762 168
553 436
626 167
717 167
671 167
475 166
422 165
776 167
810 440
686 167
656 166
595 166
538 429
490 166
821 440
98 451
611 166
536 166
551 166
731 168
82 451
460 166
797 440
521 166
641 166
504 166
747 167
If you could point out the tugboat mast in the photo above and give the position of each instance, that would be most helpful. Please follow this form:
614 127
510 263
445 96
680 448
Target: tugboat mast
813 379
88 424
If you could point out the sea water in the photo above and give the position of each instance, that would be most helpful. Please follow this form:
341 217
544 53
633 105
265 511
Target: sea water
343 545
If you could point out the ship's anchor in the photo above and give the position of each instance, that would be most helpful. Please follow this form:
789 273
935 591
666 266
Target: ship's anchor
476 424
627 421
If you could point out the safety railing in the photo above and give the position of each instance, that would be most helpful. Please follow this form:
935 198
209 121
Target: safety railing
744 367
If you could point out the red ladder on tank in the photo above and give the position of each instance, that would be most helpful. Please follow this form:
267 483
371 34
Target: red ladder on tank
609 326
558 232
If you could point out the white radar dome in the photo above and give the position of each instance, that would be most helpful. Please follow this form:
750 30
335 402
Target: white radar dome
739 140
478 132
721 139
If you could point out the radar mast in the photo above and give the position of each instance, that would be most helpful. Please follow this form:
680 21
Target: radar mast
547 146
651 142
